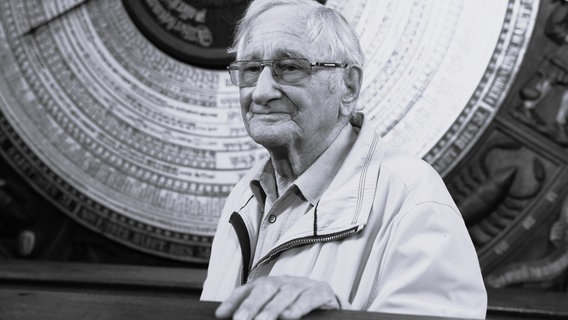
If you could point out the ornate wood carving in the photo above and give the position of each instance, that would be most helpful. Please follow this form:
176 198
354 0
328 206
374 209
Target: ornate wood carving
513 186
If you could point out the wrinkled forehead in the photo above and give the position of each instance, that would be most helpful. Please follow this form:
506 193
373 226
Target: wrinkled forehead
277 33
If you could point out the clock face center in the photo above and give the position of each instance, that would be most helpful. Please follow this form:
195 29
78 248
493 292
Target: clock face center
196 32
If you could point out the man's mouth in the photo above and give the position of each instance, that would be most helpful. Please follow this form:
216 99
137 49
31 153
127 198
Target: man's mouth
270 116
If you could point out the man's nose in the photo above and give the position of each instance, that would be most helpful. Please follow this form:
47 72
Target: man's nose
266 87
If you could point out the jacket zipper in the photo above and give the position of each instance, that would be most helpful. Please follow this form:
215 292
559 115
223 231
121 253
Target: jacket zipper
296 243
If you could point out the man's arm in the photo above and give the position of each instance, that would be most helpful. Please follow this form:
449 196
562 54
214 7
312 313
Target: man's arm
431 267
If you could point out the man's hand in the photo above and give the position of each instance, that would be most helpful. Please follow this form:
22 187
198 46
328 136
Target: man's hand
275 297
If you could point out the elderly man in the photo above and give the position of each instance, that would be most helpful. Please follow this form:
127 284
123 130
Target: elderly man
332 219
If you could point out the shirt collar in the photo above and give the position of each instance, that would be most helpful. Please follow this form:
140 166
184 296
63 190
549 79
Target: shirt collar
263 184
315 180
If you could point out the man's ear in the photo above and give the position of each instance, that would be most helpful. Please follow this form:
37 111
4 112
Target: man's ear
352 79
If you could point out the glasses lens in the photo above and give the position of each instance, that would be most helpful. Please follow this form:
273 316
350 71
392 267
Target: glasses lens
249 72
245 73
292 70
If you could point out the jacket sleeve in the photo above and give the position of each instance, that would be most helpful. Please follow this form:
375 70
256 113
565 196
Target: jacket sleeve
225 262
217 286
430 266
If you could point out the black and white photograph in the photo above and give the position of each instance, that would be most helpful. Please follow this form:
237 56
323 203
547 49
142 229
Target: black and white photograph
283 159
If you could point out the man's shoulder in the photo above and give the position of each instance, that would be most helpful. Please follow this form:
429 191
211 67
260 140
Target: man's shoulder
417 176
404 163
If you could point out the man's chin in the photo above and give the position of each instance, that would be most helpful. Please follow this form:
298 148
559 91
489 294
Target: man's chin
270 139
269 142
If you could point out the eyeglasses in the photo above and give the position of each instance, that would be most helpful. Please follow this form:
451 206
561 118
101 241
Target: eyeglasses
245 73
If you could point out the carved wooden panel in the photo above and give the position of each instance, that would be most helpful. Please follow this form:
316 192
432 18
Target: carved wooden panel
513 186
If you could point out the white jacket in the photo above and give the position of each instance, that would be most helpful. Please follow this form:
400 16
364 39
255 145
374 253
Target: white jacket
386 236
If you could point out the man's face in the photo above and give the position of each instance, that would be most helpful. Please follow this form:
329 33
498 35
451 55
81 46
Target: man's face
278 115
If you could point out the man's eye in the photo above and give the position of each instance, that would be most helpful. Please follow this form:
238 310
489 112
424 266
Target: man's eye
290 67
251 69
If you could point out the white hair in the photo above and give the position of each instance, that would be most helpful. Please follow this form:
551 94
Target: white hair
323 24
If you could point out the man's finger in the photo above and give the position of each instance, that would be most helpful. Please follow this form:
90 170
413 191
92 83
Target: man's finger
260 292
285 296
228 307
310 300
